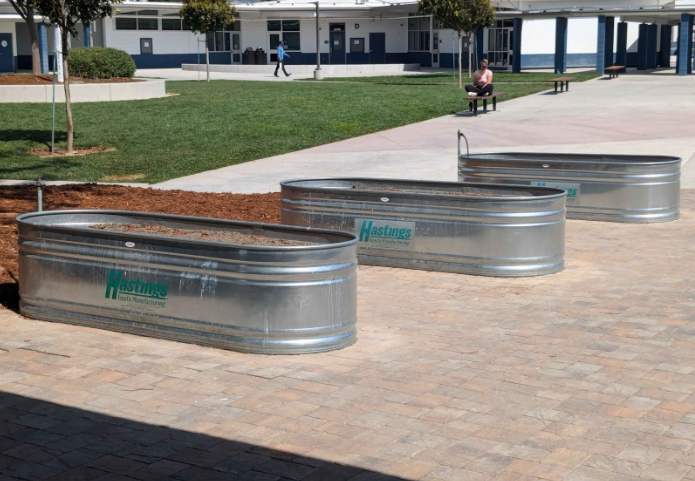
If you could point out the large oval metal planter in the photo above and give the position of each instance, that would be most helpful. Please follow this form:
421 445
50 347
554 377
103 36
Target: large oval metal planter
404 223
615 188
261 299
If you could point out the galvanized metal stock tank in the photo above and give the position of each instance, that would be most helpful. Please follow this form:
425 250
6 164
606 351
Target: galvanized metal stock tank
262 299
615 188
442 226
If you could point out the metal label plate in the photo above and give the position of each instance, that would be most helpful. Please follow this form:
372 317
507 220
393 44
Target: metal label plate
572 188
385 233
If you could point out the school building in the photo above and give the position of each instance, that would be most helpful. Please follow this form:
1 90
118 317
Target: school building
557 34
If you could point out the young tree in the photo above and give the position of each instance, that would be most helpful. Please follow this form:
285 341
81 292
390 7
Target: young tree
25 9
462 16
207 16
66 14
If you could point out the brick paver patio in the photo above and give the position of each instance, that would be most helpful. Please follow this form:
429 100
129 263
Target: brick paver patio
588 374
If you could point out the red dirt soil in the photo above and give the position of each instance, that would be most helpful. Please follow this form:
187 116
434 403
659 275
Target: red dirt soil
223 236
48 79
21 199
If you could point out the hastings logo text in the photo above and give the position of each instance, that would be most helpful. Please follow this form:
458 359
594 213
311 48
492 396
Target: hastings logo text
135 291
383 232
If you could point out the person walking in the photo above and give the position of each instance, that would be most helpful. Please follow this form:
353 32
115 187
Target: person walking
281 57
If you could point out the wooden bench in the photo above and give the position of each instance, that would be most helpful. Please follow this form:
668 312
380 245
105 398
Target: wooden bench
613 71
564 83
473 102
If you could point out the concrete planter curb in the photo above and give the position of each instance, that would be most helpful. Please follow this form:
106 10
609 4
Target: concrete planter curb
308 69
99 92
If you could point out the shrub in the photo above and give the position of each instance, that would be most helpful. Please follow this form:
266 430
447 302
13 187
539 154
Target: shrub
100 63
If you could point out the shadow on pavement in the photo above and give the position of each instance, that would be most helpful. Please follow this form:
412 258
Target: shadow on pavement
47 441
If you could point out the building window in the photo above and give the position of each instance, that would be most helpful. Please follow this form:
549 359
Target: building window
126 24
418 34
171 24
148 24
138 20
225 41
287 31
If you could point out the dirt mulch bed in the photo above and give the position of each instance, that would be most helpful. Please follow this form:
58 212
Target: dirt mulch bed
225 236
48 79
60 152
21 199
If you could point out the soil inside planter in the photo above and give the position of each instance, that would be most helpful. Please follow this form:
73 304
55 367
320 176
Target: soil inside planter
224 236
464 192
48 79
15 200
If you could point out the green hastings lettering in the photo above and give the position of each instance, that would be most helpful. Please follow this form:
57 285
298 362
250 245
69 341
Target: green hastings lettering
117 284
368 230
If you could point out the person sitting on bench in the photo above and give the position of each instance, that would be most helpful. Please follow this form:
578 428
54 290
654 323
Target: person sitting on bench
482 78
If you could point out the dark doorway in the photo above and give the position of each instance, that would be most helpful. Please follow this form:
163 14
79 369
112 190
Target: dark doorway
6 57
337 43
377 48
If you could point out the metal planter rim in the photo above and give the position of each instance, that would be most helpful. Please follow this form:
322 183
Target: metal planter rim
352 238
288 184
586 158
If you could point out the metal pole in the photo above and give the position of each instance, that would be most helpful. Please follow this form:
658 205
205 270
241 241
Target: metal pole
318 75
39 195
53 117
57 40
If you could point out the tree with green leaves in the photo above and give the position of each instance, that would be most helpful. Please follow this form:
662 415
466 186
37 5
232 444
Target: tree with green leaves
26 10
205 17
462 16
65 15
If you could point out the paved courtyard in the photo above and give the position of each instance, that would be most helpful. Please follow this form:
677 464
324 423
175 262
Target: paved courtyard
584 375
599 116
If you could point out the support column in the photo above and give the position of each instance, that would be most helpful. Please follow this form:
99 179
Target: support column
652 33
665 41
516 48
560 44
479 39
43 47
608 45
685 35
87 35
689 53
621 47
642 46
601 45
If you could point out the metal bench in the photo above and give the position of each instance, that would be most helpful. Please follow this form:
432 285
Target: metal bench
564 83
473 102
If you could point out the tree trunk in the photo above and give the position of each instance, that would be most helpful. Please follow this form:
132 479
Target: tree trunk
34 42
66 85
460 56
207 60
470 55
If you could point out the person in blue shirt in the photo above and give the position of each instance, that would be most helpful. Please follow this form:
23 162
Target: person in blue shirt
281 56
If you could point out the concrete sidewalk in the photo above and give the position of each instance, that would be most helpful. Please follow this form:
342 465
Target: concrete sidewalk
611 116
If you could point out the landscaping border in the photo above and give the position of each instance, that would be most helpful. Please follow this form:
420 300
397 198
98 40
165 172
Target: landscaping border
308 69
88 92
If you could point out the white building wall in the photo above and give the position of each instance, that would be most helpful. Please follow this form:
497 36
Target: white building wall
9 27
538 36
163 41
582 35
254 34
448 42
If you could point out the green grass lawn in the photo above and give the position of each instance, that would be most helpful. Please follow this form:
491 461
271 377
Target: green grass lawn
212 125
448 78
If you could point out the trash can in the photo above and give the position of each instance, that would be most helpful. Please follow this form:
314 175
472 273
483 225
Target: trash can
249 57
260 57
